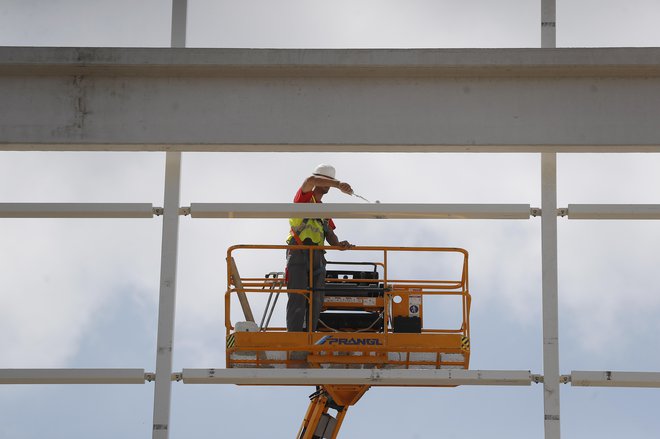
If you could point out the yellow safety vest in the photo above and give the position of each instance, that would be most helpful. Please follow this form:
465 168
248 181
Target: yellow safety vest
304 230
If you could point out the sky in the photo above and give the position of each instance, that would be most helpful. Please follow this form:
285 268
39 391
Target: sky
83 293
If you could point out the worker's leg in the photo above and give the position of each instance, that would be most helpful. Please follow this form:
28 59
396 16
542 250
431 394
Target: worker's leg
319 287
298 278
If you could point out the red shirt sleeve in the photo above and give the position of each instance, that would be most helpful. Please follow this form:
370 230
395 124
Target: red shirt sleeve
306 197
303 197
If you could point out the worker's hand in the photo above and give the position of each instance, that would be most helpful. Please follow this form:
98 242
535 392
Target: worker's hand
345 245
345 188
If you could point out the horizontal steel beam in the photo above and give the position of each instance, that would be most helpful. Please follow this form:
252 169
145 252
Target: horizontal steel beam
373 377
368 100
614 379
614 211
354 210
73 376
77 210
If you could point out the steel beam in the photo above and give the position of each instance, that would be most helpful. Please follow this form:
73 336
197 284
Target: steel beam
169 258
548 23
371 100
353 210
614 211
614 379
167 298
76 210
72 376
179 23
373 377
550 293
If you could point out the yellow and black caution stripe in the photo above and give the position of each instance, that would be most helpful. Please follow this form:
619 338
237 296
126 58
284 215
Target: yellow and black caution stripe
465 343
230 341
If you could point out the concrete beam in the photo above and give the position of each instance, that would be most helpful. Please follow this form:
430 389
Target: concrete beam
380 100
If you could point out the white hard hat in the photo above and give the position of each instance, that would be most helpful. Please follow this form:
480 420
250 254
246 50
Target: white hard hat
325 171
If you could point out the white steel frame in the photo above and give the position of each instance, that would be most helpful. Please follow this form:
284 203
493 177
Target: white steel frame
373 377
378 211
74 376
78 210
171 212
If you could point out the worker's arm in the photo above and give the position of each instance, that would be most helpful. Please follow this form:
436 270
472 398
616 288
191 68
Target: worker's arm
332 239
311 182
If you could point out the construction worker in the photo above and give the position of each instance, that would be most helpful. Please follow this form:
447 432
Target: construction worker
310 231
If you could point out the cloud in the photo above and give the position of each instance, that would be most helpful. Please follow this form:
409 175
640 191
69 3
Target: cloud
592 23
369 23
607 283
61 23
60 275
608 178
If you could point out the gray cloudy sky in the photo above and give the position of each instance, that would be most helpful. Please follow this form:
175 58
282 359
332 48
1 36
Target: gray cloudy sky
81 293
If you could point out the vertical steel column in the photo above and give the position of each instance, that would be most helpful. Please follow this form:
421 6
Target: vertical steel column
550 295
168 261
179 19
549 23
549 256
167 300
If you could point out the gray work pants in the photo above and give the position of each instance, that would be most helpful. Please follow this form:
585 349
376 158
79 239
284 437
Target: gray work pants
297 265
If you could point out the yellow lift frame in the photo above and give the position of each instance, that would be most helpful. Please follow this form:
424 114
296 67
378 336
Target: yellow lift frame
260 346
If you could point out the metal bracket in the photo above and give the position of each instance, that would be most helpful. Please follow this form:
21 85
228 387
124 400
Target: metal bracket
536 211
185 211
177 376
537 379
565 379
150 377
158 211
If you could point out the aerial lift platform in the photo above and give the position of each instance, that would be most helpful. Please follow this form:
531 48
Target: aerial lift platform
369 319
